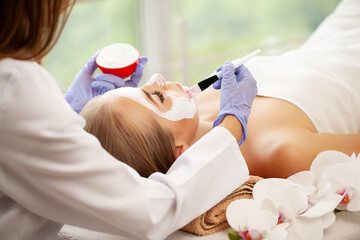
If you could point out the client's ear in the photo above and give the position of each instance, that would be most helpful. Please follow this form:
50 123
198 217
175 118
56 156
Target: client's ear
180 148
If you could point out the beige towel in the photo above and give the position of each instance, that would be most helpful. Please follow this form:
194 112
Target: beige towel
214 220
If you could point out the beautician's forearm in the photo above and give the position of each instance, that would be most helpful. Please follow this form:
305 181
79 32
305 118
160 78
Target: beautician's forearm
231 123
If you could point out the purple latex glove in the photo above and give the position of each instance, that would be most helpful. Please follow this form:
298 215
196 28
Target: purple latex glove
238 90
85 86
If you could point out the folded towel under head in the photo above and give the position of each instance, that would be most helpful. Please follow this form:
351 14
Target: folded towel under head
214 220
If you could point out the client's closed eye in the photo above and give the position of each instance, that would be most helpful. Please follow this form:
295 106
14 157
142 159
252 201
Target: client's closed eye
160 95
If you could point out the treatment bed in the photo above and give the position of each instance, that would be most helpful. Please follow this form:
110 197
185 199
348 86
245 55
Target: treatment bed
212 225
346 226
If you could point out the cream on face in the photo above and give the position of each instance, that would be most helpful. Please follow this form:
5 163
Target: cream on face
182 107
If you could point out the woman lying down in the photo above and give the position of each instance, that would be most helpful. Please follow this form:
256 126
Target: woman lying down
149 127
308 101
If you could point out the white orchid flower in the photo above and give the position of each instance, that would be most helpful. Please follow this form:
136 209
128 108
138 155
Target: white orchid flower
255 220
279 210
337 180
345 181
354 158
322 199
306 221
299 207
329 158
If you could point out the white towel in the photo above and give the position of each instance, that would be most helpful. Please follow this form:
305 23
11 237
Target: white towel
75 233
322 77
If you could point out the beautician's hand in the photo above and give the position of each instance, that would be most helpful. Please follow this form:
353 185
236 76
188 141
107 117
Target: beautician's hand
85 86
105 82
238 90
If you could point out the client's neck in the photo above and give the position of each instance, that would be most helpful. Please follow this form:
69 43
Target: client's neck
204 127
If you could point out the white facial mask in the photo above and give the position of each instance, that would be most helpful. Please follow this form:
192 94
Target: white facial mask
181 108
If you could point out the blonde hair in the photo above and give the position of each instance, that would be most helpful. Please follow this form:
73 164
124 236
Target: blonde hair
141 143
30 28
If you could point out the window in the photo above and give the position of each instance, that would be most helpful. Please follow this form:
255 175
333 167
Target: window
91 26
185 40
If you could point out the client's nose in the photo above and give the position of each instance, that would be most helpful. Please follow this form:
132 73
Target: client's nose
157 79
161 79
175 86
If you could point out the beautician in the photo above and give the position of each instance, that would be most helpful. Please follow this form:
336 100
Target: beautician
52 172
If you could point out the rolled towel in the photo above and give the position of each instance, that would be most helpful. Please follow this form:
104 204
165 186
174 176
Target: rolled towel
214 220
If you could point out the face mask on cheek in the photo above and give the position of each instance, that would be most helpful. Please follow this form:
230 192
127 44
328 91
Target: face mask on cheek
182 107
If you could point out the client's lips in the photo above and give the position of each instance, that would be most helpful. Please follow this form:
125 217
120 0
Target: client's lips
187 94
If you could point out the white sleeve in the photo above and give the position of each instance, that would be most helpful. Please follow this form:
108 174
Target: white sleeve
53 168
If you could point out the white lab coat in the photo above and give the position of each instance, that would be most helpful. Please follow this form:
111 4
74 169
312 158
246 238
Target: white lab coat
53 172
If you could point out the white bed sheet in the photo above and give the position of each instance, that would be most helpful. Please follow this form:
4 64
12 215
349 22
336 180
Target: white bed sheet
346 226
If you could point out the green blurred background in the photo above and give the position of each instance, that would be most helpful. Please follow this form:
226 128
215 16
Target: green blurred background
212 32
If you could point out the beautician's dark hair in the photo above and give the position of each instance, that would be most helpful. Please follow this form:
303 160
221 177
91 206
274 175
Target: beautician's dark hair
29 29
143 144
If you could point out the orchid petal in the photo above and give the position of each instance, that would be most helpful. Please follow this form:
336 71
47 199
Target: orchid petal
305 228
328 219
324 206
278 232
354 204
354 158
310 190
238 211
341 207
304 178
342 175
272 188
262 220
295 201
268 205
327 158
320 209
323 188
